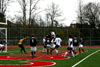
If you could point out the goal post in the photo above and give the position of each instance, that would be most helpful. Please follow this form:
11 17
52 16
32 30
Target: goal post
3 35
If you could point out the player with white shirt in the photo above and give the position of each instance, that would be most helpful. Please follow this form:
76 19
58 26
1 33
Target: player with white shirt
70 46
53 35
58 41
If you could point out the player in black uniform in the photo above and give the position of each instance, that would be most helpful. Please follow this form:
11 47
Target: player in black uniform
48 43
75 43
33 43
2 45
81 45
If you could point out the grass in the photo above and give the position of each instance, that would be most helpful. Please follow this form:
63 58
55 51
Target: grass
91 61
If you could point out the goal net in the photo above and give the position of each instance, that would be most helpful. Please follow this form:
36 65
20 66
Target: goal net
3 37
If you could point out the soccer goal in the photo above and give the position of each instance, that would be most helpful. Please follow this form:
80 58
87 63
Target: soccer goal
3 34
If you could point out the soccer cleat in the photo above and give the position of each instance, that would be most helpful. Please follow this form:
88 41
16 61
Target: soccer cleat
57 54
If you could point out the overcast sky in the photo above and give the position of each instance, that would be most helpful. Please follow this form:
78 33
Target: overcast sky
68 8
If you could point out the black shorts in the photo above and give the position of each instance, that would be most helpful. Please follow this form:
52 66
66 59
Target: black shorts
69 48
57 46
45 46
75 44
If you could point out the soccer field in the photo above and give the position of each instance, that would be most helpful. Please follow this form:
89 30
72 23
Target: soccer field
15 59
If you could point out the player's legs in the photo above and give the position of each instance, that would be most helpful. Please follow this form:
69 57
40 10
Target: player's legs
33 51
22 48
81 48
52 48
48 48
44 49
73 51
3 48
56 49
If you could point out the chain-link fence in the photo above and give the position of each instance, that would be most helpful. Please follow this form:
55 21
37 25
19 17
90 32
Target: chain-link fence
90 36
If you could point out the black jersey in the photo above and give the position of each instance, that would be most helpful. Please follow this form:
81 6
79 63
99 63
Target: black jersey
48 40
80 41
3 42
33 41
75 41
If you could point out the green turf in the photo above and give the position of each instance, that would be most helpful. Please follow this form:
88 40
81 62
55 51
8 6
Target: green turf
91 61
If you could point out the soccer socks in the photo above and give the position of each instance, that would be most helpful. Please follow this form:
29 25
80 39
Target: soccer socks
83 50
56 51
73 54
65 54
79 50
32 54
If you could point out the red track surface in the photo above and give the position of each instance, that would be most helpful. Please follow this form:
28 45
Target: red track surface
51 58
10 47
35 63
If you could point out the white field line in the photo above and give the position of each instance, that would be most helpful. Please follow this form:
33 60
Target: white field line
85 58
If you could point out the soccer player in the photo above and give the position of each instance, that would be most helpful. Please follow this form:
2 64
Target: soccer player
75 43
44 49
33 43
58 41
20 44
69 48
52 45
48 43
2 45
81 45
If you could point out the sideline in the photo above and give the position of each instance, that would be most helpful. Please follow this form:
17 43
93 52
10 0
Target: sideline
85 58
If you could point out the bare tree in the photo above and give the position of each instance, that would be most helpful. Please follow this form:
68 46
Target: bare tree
3 5
91 12
53 12
80 12
32 9
23 4
28 6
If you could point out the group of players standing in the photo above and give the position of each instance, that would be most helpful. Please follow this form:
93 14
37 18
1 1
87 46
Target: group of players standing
73 42
51 42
